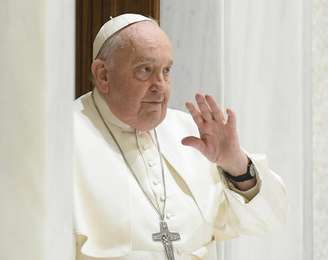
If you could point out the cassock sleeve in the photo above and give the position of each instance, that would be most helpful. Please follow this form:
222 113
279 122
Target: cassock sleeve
258 210
248 194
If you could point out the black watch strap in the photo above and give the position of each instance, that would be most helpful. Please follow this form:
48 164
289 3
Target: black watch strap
244 177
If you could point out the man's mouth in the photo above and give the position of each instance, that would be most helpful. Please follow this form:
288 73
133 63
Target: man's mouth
153 101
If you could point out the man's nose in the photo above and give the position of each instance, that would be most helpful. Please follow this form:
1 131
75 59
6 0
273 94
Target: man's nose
158 82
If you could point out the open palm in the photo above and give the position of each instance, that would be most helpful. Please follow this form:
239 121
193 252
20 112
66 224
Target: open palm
218 139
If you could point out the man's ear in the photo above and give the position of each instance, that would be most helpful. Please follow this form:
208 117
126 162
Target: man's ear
100 75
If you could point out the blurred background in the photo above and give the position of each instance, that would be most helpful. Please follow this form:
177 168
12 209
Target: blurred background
267 60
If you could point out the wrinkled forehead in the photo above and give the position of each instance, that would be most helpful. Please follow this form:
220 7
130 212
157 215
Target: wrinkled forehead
145 32
142 41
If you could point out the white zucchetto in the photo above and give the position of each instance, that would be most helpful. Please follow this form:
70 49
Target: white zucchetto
114 25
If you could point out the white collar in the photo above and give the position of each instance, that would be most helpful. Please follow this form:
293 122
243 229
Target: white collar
108 115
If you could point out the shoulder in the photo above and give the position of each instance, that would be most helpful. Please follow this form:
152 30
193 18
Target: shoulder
82 103
85 116
178 114
179 121
84 109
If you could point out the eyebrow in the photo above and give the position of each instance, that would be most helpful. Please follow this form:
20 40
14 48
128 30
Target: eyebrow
139 60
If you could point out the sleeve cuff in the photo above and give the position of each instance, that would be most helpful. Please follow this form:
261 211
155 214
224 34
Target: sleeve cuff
248 195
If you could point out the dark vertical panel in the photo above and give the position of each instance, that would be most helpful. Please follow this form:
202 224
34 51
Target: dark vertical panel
155 10
86 44
109 9
96 17
90 15
114 5
102 11
78 36
141 6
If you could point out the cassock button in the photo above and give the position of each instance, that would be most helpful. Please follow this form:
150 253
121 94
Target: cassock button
151 163
144 147
162 198
155 182
169 215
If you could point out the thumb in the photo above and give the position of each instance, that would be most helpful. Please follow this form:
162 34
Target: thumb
194 142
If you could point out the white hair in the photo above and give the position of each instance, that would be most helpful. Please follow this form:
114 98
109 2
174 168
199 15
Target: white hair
110 46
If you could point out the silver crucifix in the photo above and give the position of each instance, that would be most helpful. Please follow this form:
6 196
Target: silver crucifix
166 237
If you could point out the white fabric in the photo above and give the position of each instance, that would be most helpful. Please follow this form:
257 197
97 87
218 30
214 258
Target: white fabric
115 221
36 129
114 25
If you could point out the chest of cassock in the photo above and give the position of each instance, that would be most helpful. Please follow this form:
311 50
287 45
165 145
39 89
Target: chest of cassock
111 209
117 222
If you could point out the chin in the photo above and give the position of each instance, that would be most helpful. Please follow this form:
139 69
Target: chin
152 121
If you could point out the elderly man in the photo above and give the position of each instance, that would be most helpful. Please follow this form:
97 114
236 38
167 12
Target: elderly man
152 182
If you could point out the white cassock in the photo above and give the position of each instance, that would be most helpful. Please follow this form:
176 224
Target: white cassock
113 218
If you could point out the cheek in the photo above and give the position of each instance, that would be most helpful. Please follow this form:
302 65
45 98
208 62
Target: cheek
168 91
131 97
167 94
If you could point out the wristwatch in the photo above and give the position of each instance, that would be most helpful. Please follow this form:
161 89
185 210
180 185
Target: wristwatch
250 173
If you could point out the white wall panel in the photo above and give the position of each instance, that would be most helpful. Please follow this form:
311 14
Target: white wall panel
320 127
37 76
267 82
193 28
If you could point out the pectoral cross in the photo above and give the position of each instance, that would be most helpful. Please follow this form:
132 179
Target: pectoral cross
166 237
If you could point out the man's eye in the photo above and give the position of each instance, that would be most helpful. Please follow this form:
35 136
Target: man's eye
146 69
167 70
144 72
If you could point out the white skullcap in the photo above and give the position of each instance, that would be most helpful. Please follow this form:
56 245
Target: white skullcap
114 25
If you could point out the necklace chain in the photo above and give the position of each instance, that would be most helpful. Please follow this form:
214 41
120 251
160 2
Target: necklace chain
159 211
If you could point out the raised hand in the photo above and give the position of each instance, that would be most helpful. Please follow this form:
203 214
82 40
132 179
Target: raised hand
218 139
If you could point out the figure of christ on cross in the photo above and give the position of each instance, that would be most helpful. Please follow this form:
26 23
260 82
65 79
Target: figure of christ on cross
166 237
